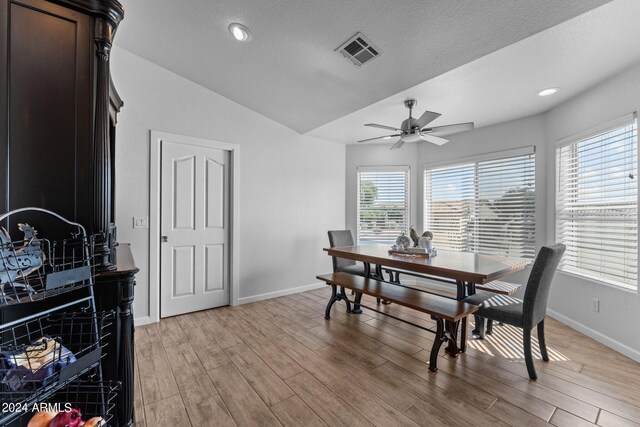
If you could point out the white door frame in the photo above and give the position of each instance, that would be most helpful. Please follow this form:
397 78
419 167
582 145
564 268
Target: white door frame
156 139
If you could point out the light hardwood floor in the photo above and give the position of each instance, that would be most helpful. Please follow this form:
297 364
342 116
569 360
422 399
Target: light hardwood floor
279 362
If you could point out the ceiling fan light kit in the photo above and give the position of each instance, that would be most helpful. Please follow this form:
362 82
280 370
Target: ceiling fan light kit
415 130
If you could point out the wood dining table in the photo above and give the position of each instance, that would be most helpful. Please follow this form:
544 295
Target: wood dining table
465 270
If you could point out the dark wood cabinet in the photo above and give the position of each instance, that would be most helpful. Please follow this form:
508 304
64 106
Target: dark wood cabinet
58 111
48 111
114 290
55 122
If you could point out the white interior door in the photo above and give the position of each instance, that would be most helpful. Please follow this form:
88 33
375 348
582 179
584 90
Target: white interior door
194 228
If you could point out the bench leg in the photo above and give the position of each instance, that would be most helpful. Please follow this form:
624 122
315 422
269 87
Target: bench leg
451 334
336 296
437 343
343 296
332 300
356 304
463 335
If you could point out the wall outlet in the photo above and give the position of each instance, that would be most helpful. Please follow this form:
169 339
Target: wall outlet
595 305
140 222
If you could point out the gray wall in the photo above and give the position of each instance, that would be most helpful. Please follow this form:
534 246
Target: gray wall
291 186
570 300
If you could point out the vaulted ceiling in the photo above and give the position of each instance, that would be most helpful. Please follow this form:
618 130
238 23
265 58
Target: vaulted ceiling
291 73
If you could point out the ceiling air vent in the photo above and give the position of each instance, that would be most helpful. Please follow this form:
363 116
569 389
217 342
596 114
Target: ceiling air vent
359 50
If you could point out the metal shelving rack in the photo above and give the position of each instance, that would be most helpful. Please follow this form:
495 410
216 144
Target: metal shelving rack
70 335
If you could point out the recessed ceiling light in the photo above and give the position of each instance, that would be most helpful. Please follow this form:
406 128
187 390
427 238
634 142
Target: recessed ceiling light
240 32
547 92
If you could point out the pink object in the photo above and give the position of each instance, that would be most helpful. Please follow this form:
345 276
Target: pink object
73 418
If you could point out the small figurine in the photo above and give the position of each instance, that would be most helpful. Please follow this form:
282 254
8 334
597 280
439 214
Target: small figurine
19 262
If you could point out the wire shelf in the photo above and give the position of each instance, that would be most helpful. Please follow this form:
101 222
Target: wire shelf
44 352
34 268
90 398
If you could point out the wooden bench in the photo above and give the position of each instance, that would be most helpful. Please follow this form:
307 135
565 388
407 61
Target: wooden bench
499 287
447 313
496 286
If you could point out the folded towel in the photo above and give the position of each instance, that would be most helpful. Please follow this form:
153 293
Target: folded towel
35 366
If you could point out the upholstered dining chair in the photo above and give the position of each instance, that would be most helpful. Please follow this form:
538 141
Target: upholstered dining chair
530 311
344 238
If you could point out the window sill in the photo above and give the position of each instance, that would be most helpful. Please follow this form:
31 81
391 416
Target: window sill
600 282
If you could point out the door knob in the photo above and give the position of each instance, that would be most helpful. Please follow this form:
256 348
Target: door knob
165 239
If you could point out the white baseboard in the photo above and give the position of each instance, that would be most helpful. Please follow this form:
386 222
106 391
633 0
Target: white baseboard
139 321
269 295
601 338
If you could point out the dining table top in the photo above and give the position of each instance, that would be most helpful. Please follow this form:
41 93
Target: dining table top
460 266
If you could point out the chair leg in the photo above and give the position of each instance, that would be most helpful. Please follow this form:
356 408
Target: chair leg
489 326
541 341
378 301
479 328
526 338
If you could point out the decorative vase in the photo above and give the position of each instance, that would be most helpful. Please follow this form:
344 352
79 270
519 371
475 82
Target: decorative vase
426 243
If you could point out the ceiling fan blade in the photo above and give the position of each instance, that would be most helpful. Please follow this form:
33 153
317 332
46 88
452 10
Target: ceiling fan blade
426 118
449 129
374 125
434 139
397 145
379 137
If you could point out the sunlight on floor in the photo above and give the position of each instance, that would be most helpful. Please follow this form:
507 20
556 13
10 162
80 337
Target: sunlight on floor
506 341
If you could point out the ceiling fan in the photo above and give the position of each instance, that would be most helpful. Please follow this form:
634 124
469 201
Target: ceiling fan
414 130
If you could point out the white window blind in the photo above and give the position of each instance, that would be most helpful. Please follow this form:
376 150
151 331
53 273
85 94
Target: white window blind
383 204
484 206
597 205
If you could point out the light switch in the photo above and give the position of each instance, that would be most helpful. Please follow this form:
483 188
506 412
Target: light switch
140 222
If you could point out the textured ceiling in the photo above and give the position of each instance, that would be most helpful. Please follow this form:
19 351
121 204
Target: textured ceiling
502 86
290 72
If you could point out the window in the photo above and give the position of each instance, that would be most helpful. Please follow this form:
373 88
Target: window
485 206
597 204
383 203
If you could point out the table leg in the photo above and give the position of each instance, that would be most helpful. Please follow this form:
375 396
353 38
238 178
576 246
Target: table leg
461 290
380 276
391 279
437 343
471 288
